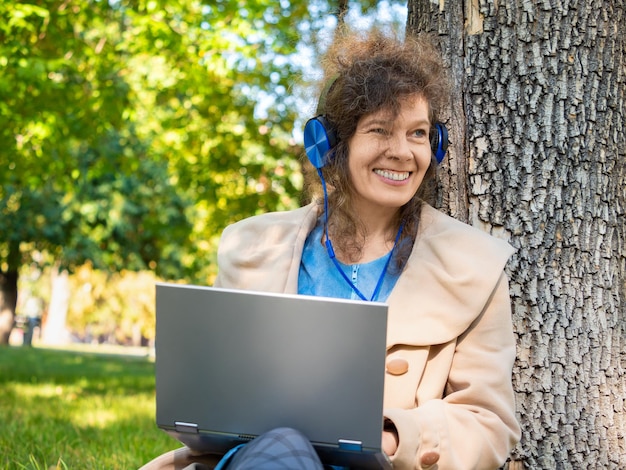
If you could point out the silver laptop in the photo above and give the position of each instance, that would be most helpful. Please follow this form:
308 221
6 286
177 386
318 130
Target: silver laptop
232 364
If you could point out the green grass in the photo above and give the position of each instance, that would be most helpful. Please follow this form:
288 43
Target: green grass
76 410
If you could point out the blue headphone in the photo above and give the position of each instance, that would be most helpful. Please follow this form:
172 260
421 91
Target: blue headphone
320 138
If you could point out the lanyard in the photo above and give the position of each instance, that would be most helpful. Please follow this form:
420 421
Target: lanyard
331 252
379 284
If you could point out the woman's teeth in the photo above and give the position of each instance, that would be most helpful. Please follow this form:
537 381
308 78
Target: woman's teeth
393 175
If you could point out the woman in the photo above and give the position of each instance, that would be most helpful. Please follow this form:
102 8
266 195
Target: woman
448 395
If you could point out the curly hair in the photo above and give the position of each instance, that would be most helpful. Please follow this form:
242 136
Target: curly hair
371 72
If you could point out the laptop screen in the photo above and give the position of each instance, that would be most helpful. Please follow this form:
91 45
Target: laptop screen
234 364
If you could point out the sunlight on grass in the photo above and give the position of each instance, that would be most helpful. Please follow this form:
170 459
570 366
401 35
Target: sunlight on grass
67 410
36 391
86 410
108 413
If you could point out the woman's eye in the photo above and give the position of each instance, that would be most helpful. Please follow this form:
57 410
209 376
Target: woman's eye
420 133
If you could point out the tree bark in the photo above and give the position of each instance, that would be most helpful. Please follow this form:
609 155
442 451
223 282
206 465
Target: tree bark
8 303
537 127
441 22
342 11
8 291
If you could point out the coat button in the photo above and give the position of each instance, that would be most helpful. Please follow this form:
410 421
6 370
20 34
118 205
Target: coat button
397 366
429 458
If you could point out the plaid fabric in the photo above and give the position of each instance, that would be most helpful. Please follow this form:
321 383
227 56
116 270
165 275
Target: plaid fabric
279 449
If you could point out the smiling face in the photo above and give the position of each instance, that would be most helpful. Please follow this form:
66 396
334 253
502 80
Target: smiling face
389 156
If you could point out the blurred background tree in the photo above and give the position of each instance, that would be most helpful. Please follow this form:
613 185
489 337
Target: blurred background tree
133 131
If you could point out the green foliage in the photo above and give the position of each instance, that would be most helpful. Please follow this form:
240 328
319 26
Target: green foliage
133 131
78 179
76 410
235 160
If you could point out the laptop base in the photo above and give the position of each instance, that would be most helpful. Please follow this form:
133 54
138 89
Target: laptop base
219 444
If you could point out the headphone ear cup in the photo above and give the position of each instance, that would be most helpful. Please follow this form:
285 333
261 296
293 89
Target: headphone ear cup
319 140
439 141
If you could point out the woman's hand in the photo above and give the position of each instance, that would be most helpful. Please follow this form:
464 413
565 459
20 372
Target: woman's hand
390 441
390 445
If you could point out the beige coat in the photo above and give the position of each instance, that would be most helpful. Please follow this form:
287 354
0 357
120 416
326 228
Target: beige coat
450 332
450 339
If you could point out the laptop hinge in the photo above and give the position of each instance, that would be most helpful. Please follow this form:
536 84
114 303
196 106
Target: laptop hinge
190 428
347 444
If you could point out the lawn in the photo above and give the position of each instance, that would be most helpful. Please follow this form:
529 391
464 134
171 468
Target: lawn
77 410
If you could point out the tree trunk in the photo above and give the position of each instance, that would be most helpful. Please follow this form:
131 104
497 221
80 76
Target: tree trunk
54 331
8 302
539 158
8 291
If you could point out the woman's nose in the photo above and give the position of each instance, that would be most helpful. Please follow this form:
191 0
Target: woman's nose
399 148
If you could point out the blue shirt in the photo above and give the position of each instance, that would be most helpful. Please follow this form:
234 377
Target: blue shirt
319 276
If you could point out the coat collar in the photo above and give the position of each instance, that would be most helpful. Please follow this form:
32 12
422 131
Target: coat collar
450 275
262 253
